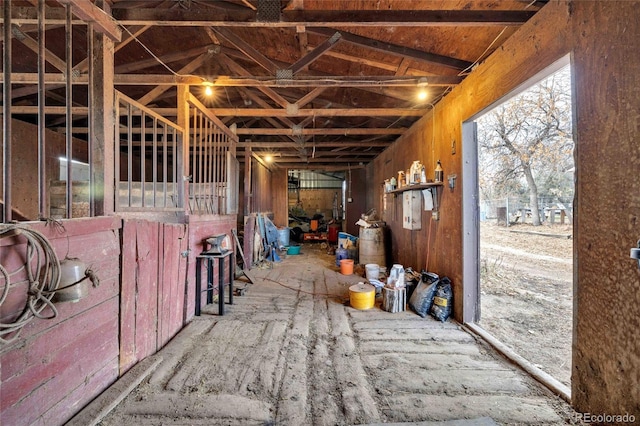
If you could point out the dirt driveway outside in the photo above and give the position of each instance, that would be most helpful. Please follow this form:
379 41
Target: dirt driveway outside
527 292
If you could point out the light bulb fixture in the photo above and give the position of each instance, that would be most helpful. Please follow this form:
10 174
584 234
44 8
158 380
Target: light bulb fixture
268 158
423 82
208 87
422 95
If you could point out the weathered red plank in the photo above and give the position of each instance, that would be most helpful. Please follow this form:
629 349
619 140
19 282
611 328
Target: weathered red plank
17 366
172 295
128 296
164 289
47 385
147 288
80 396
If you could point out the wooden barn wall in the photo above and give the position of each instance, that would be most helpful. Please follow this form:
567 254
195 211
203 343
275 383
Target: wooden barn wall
279 194
606 357
200 228
152 304
24 153
57 366
359 195
261 199
601 38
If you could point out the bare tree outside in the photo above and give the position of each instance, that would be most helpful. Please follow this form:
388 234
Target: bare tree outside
526 163
526 145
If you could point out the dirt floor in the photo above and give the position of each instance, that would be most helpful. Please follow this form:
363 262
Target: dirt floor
291 351
527 292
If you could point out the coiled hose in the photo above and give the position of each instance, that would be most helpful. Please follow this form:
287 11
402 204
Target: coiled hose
41 270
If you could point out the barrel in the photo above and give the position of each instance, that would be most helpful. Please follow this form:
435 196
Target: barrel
332 237
283 237
371 246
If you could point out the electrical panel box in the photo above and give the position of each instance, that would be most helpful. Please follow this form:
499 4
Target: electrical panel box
411 210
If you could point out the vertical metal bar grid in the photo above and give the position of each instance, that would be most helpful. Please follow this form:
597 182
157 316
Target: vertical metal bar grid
6 113
69 105
216 157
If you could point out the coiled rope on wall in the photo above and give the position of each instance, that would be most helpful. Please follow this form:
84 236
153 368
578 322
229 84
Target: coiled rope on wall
41 272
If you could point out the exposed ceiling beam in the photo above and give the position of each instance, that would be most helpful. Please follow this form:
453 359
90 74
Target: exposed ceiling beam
247 49
310 96
394 49
32 44
312 56
254 81
238 69
319 112
323 18
322 131
89 12
159 90
168 58
329 160
342 143
323 167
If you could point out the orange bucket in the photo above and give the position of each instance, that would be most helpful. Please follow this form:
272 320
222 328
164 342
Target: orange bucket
346 266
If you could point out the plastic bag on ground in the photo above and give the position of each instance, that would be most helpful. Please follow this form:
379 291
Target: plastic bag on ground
442 300
422 298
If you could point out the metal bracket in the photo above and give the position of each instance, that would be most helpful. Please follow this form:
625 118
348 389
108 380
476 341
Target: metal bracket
635 253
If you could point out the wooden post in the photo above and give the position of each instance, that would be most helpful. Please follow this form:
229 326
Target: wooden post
247 180
104 146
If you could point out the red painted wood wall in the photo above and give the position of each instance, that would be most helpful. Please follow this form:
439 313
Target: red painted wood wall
146 295
152 303
57 366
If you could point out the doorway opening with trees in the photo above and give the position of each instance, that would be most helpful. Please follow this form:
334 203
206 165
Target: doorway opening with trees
523 224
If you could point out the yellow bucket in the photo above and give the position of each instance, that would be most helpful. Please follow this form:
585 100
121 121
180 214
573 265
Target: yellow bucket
362 296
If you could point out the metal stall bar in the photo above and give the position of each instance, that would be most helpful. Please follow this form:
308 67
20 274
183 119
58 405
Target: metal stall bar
207 157
143 157
154 162
216 167
129 152
90 138
42 182
165 160
198 142
116 155
178 182
69 114
6 111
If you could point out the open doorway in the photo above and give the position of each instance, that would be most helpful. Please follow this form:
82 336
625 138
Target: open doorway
519 231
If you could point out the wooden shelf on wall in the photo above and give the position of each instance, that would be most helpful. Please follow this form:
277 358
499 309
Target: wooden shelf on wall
416 187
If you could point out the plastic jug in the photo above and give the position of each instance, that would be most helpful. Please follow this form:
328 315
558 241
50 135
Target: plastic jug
396 277
341 253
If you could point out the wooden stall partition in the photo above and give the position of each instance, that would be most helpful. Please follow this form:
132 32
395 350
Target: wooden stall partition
139 298
171 280
57 365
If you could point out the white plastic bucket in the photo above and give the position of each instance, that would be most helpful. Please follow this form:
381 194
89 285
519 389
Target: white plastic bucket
372 271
